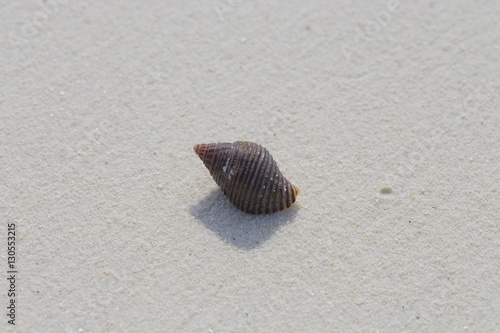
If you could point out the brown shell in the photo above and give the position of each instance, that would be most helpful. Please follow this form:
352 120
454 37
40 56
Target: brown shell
248 176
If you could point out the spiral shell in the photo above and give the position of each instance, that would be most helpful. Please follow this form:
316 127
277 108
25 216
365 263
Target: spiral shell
248 176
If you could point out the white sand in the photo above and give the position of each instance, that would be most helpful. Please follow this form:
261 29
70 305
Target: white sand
121 228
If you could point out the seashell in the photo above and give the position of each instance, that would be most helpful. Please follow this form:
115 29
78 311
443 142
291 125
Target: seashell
248 176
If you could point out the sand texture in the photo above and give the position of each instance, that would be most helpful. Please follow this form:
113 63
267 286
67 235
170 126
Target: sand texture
386 115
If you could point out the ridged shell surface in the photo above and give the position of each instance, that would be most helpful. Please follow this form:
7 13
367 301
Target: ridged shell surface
248 176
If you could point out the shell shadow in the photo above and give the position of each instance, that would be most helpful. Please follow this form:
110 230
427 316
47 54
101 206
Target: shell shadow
242 230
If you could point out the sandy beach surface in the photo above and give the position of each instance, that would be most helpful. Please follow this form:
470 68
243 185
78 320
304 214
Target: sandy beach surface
386 115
